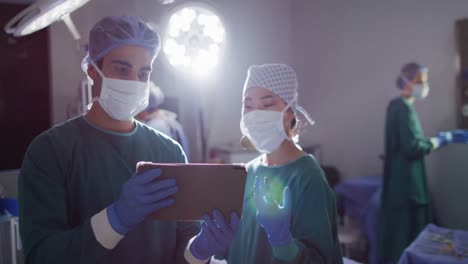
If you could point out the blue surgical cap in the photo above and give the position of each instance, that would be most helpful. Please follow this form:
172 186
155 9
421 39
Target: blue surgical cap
409 71
115 31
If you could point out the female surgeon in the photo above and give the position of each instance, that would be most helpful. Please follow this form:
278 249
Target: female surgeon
289 213
405 204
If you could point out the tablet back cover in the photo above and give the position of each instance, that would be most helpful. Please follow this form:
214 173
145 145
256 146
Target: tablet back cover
202 188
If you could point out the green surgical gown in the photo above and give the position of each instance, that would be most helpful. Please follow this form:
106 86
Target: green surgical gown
75 170
405 209
313 223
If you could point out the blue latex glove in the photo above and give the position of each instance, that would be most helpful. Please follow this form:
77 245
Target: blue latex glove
275 219
444 138
215 236
141 195
460 136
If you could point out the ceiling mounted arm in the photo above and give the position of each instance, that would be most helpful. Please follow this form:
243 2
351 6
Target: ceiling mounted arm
43 13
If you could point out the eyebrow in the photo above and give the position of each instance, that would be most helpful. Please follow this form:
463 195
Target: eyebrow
261 98
121 62
266 97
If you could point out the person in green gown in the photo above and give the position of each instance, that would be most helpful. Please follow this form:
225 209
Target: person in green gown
289 213
80 200
405 201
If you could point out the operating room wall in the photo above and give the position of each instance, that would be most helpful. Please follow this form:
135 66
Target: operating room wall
348 54
256 32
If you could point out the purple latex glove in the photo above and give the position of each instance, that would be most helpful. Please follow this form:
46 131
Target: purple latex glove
141 195
275 219
216 235
460 136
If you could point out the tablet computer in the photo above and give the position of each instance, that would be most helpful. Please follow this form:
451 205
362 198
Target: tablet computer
202 188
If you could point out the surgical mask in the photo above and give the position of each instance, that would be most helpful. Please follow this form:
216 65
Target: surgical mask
122 99
264 129
419 91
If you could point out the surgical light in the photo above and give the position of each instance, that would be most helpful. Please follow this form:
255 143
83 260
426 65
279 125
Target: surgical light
43 13
194 39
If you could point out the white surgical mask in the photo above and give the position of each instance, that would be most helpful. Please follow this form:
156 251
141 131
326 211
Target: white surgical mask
264 129
122 99
419 91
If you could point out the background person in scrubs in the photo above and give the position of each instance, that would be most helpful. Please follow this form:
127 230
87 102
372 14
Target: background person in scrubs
163 120
405 198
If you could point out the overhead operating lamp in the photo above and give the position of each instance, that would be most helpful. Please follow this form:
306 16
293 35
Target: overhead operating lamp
194 39
43 13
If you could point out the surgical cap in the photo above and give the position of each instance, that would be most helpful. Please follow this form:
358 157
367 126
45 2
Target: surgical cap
278 78
156 97
115 31
409 71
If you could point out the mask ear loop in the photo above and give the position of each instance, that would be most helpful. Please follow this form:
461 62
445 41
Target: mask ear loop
97 69
95 99
91 82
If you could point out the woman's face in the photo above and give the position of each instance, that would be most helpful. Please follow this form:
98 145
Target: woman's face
259 98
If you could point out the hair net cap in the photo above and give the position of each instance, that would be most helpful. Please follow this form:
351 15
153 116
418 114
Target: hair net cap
156 97
115 31
408 72
278 78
